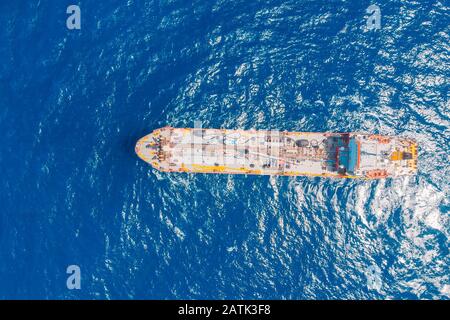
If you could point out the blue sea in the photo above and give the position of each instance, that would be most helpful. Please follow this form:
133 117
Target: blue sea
73 103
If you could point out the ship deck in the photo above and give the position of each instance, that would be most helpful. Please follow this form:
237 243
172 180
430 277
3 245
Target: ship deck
257 152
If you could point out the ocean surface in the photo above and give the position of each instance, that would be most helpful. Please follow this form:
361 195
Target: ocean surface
74 102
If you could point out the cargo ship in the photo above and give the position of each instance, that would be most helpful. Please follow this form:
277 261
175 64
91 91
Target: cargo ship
338 155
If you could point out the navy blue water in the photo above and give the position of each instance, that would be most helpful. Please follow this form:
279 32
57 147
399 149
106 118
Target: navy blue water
74 102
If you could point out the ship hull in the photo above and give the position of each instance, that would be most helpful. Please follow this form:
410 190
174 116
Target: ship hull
315 154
